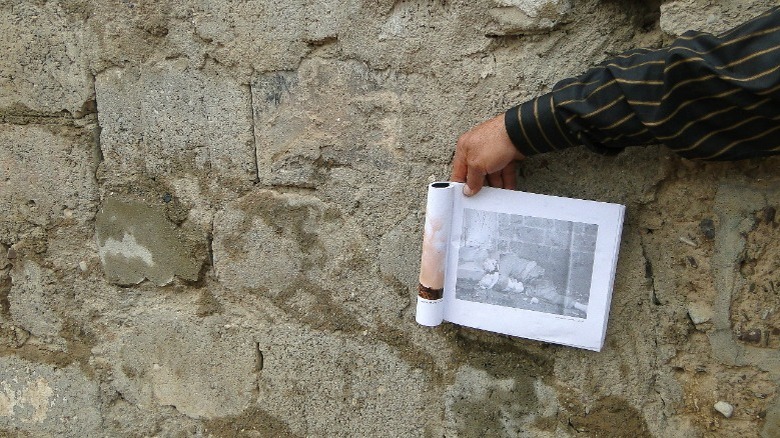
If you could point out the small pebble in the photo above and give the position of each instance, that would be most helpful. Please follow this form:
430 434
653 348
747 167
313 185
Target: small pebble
534 300
83 266
700 312
752 336
11 254
724 408
768 214
707 227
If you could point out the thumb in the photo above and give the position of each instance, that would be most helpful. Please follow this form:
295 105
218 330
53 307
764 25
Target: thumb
475 179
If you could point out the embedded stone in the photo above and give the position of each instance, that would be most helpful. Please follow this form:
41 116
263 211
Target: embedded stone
138 242
700 312
45 60
726 409
40 399
195 364
517 17
168 119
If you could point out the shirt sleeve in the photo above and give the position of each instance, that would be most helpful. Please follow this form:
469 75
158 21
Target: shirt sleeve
705 96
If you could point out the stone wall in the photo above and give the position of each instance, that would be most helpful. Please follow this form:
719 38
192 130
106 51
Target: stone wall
211 220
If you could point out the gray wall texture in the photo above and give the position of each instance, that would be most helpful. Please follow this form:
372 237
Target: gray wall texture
212 211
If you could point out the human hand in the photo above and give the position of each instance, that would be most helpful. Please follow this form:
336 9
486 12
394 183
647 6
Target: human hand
485 155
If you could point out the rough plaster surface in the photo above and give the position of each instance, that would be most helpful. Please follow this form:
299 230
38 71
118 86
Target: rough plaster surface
46 175
138 242
678 16
211 219
45 67
43 400
169 119
203 368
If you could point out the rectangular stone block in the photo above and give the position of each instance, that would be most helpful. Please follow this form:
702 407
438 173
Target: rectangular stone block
170 119
45 400
138 242
325 115
45 64
203 367
46 174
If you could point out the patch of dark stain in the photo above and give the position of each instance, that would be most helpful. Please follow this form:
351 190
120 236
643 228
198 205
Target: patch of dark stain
202 279
501 356
707 228
208 304
79 342
251 422
398 287
548 424
752 336
12 337
5 291
19 114
8 433
130 371
322 41
175 210
311 304
608 417
413 355
297 222
767 214
275 86
156 30
88 107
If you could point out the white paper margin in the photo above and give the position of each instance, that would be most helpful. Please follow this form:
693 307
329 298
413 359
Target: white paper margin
586 333
438 214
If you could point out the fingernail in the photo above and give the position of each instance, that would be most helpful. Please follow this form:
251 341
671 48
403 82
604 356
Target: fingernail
467 191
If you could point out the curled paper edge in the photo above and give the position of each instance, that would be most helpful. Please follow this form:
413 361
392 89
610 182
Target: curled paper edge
438 214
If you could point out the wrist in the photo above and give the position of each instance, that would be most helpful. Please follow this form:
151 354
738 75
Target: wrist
535 127
514 131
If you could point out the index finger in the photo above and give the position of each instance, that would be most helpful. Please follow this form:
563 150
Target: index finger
459 167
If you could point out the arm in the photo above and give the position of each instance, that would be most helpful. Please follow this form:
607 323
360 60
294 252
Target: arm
705 96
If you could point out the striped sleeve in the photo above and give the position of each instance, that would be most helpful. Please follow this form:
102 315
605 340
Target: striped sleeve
705 96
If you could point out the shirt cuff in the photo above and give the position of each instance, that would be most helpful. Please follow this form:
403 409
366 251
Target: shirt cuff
535 128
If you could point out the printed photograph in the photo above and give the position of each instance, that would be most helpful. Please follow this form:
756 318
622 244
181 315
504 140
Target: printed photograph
526 262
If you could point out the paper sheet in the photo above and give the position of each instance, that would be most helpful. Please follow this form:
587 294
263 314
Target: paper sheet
522 264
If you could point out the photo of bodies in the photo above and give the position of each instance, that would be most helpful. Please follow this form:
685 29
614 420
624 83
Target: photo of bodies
526 262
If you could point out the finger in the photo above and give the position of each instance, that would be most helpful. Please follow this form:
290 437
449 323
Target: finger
509 175
474 181
496 179
459 167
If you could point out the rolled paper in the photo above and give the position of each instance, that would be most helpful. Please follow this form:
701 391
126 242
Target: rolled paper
429 294
438 213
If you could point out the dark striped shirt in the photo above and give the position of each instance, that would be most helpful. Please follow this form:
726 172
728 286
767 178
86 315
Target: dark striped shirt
705 96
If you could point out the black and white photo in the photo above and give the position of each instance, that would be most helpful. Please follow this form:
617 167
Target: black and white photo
526 262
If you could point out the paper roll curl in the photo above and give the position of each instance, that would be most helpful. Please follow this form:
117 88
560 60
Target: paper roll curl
438 213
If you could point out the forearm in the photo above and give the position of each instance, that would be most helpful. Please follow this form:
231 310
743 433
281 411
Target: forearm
705 96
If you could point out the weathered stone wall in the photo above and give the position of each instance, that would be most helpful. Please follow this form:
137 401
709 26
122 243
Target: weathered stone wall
211 219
